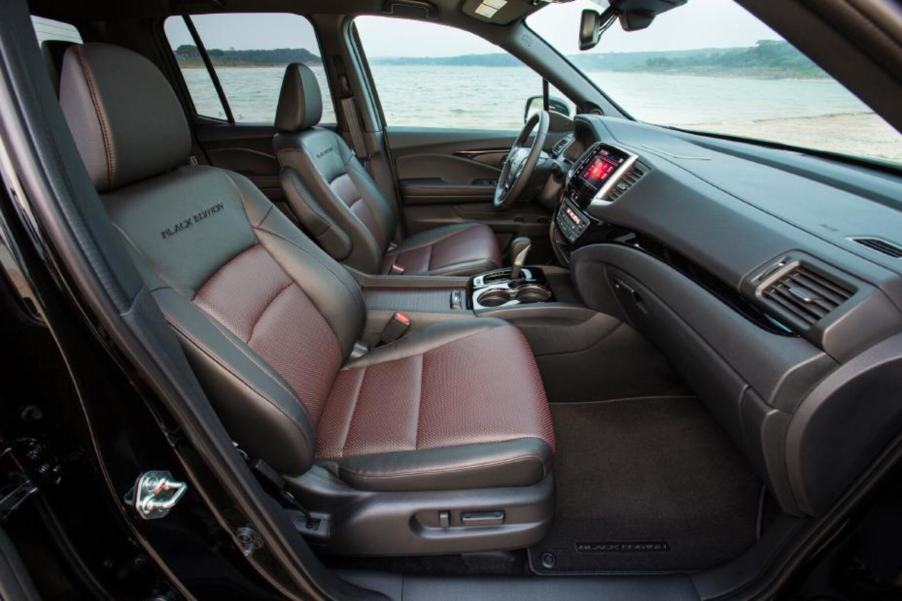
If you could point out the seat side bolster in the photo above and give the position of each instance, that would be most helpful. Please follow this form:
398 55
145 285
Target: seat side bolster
516 462
329 286
299 151
382 210
256 405
329 235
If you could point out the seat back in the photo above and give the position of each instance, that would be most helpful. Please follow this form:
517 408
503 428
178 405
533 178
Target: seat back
266 318
328 188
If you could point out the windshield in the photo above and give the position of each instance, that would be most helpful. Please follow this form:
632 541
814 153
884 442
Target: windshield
710 66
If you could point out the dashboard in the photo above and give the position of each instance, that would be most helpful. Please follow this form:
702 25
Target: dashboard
772 280
592 180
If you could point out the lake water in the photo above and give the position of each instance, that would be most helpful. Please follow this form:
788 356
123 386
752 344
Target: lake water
807 112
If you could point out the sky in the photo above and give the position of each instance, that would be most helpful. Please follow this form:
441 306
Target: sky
698 24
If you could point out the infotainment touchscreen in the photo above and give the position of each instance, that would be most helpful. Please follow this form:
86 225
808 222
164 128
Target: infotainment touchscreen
601 167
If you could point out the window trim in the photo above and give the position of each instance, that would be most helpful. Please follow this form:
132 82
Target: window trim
199 44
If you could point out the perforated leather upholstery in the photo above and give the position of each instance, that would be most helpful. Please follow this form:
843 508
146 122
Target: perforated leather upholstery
268 320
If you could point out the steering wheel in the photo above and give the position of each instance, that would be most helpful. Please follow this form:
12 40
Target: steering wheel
521 161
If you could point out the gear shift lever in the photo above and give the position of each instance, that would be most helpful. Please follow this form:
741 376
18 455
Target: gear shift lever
519 250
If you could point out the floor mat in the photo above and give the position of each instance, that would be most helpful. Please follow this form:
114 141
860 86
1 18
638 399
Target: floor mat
651 484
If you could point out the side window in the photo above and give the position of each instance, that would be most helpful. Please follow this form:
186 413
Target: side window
50 30
430 75
249 53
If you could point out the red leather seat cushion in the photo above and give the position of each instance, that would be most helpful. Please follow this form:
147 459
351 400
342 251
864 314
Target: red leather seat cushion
471 386
459 249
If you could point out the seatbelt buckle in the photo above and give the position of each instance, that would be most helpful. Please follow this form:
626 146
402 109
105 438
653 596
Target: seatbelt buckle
396 327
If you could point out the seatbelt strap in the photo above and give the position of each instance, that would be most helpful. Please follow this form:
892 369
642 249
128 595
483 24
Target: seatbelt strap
349 110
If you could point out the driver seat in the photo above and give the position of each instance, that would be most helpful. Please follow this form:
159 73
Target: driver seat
342 208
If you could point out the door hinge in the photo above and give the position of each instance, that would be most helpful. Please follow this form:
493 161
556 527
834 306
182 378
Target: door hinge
155 494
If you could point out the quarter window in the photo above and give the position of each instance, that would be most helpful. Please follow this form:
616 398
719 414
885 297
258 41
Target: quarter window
52 30
249 53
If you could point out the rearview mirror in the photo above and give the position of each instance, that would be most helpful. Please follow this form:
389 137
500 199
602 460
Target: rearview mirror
589 29
535 104
634 15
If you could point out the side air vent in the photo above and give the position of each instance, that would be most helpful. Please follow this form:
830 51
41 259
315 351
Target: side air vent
632 176
806 295
881 246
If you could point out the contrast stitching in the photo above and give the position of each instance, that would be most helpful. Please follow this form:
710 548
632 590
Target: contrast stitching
265 368
356 400
101 115
223 364
416 439
266 308
259 228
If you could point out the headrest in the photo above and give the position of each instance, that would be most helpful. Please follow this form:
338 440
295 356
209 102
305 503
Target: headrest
126 120
300 103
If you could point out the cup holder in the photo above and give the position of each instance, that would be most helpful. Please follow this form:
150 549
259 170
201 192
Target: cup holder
526 293
532 293
494 298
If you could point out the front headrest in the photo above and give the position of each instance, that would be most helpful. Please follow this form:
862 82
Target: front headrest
300 103
126 120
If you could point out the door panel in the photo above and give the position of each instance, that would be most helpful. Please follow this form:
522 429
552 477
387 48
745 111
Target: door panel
449 175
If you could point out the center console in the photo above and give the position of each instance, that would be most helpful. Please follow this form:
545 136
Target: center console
499 289
595 179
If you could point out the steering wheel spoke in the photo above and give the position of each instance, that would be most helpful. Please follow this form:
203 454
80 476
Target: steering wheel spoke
521 160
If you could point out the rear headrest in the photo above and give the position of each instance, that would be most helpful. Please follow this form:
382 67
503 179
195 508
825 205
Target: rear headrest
125 118
300 102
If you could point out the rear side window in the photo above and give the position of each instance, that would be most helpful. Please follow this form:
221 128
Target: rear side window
50 30
248 53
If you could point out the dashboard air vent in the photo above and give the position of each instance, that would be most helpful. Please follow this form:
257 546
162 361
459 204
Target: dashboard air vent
881 246
806 295
631 177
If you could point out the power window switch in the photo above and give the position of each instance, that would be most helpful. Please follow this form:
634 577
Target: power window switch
444 519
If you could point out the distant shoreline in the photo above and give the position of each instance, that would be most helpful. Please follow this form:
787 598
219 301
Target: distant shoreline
763 74
767 59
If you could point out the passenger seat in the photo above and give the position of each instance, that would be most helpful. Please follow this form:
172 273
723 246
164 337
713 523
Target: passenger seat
440 442
341 206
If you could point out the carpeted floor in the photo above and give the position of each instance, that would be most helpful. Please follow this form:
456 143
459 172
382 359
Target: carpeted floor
650 484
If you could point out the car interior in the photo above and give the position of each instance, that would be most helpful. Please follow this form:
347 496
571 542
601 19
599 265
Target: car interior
596 349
